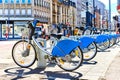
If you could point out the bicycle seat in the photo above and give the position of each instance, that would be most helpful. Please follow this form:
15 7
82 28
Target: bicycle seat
57 35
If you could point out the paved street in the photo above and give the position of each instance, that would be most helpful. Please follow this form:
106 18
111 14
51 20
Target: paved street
105 66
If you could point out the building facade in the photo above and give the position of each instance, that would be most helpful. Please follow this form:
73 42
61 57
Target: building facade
14 14
86 5
78 14
63 11
100 19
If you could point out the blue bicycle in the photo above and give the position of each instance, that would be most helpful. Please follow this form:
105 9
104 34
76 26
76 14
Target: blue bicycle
67 57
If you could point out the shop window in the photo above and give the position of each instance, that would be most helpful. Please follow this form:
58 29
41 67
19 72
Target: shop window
20 29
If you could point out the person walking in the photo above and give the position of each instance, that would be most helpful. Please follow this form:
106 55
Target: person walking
7 32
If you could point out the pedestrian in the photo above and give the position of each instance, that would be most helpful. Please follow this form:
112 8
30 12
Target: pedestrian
117 22
7 32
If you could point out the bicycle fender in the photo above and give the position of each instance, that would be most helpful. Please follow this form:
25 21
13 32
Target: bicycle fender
114 36
101 38
64 47
85 42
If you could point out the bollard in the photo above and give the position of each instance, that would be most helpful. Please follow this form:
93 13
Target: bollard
41 63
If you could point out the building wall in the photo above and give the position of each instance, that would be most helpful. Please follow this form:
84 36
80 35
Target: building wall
100 14
63 13
16 13
118 2
84 9
78 14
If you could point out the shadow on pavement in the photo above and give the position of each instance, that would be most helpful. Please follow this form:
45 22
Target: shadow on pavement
62 75
104 51
21 73
90 62
117 44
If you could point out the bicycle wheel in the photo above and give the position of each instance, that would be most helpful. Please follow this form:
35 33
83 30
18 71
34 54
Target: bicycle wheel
90 52
103 45
22 57
117 39
72 61
112 42
87 31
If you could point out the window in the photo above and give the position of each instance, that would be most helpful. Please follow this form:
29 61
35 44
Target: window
35 2
17 11
12 12
29 11
29 1
6 11
6 1
12 1
1 12
23 12
17 1
0 1
23 1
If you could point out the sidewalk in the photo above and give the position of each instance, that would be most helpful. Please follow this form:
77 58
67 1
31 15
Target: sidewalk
105 66
113 72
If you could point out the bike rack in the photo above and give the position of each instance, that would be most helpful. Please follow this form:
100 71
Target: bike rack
66 45
41 63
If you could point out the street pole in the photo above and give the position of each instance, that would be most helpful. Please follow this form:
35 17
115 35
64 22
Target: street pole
94 11
86 12
109 14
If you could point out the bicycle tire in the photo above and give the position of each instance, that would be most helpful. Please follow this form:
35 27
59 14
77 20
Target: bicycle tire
87 31
21 61
72 64
117 40
112 42
91 52
103 45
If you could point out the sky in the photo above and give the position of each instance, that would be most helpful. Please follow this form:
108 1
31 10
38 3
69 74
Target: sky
113 6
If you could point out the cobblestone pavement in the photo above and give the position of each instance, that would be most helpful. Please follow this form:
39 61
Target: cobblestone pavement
105 66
